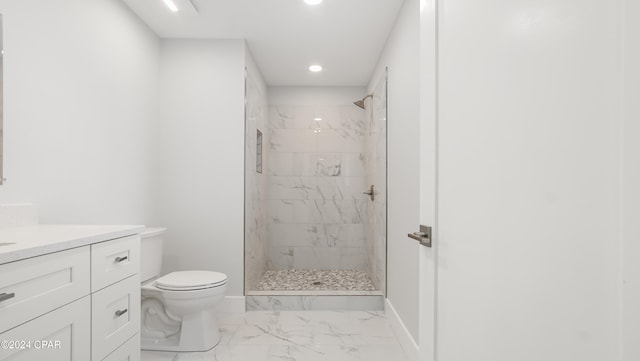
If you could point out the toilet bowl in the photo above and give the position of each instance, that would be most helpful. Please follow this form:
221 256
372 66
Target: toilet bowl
178 308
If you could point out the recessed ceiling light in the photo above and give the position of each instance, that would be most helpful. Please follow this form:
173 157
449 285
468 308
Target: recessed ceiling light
315 68
171 5
313 2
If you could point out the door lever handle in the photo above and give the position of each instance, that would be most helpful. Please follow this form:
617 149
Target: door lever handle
418 235
423 237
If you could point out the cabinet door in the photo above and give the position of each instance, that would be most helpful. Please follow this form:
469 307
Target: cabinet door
61 335
115 316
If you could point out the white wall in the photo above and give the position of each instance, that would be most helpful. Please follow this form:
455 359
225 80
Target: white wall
80 86
401 55
200 186
528 211
631 189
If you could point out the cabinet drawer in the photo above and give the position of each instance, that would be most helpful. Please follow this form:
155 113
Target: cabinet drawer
32 287
114 260
61 335
130 351
115 316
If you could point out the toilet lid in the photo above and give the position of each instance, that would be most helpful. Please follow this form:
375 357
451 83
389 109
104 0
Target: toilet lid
191 280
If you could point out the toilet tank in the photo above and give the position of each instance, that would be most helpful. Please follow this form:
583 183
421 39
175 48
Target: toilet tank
151 253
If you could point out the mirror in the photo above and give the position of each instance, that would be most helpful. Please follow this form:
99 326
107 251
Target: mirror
1 102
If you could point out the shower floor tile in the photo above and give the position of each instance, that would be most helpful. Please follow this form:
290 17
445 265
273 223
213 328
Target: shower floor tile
316 281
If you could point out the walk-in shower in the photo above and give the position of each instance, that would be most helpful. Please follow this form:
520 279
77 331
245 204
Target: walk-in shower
314 237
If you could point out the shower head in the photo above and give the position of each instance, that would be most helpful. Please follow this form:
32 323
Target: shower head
360 103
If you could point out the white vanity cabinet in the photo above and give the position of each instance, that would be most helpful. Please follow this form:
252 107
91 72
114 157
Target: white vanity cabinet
75 304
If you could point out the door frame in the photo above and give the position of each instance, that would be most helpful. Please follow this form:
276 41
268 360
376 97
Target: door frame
428 292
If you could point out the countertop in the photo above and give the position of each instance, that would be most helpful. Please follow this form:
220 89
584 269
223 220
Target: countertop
36 240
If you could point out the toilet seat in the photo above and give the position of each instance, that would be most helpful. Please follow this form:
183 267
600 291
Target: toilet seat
191 280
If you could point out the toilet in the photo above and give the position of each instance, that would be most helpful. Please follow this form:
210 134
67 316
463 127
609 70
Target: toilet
177 312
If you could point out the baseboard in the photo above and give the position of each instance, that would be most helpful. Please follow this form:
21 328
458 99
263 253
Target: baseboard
231 305
407 342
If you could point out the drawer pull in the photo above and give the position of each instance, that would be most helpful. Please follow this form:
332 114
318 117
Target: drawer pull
121 312
121 259
6 296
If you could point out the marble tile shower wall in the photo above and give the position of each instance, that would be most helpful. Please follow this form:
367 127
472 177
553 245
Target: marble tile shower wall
316 209
256 117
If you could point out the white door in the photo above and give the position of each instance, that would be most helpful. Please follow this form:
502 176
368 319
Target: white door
520 164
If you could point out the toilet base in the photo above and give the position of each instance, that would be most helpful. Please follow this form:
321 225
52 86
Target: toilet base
199 333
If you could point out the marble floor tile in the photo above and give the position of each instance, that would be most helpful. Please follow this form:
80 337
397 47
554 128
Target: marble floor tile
293 302
299 336
337 353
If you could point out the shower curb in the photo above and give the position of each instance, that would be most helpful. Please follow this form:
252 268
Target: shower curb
315 302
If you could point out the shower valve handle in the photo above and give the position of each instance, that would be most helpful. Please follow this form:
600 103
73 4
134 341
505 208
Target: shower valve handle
371 193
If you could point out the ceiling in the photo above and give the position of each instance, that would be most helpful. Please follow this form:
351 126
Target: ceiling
286 36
